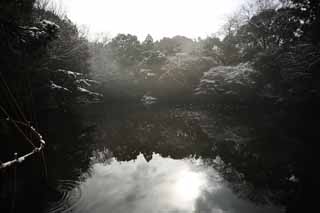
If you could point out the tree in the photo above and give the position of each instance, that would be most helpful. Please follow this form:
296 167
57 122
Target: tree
224 52
16 11
308 12
148 43
212 47
176 44
125 49
254 7
70 49
35 48
268 30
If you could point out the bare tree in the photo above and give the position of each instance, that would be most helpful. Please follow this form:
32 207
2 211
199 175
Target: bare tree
57 9
253 7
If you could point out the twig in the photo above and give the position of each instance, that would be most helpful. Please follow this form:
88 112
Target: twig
22 158
35 150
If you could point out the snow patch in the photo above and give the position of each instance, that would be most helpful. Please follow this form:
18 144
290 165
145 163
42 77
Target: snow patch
87 92
54 86
227 80
69 73
147 100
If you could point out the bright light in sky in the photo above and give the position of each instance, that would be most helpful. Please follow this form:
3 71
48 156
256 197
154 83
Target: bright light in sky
160 18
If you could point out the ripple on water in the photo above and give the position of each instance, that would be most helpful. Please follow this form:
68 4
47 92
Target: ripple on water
66 197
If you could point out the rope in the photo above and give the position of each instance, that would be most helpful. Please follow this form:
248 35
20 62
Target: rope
15 124
7 99
14 190
33 114
19 110
13 98
45 167
32 131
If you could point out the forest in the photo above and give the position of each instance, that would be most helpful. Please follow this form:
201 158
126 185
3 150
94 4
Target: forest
257 81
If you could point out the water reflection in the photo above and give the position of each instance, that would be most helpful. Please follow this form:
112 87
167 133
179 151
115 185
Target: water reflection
188 185
160 185
105 162
130 131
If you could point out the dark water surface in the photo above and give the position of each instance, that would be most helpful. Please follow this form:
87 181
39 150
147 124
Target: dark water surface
133 158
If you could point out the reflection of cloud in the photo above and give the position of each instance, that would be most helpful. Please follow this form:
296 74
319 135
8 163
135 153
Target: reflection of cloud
139 186
224 200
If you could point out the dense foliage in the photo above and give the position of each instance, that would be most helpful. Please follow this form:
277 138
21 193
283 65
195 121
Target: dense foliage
43 57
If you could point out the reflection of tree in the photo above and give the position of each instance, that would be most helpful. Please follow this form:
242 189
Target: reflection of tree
70 146
152 131
254 168
258 157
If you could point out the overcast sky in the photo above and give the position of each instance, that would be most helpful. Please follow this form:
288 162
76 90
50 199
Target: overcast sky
191 18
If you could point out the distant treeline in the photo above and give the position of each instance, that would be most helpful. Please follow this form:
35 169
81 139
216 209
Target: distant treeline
46 56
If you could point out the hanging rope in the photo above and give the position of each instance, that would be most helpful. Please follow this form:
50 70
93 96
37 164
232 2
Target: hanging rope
13 202
27 131
25 124
13 98
43 159
15 123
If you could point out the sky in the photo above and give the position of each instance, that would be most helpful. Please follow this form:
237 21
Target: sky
160 18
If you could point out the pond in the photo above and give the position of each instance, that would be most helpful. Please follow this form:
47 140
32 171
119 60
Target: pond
134 158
